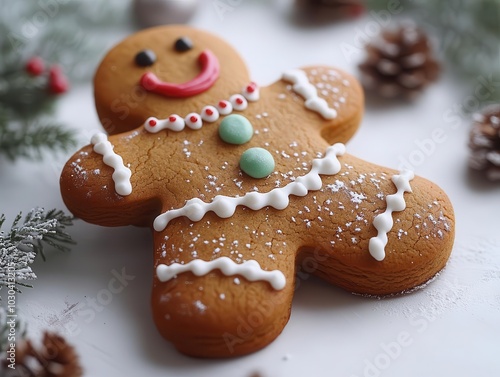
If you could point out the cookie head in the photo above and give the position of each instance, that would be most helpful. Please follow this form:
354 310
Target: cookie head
159 71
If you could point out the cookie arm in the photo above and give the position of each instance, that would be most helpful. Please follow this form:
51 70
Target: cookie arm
97 184
332 100
418 227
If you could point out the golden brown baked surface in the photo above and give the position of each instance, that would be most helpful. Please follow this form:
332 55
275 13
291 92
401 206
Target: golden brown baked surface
326 232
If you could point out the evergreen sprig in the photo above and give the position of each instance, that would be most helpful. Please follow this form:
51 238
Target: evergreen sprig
65 34
27 239
34 136
68 33
24 96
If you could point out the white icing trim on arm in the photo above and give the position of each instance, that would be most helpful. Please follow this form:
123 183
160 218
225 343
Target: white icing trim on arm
304 88
121 175
250 270
225 206
384 222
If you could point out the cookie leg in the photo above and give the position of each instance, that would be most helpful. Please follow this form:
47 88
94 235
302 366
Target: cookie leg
206 323
212 302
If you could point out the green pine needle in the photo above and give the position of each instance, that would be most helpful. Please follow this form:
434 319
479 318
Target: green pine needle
30 138
24 96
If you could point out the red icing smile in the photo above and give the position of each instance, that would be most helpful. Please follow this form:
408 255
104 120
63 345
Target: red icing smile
204 81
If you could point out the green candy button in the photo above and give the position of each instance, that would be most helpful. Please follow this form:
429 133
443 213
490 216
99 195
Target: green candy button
257 162
235 129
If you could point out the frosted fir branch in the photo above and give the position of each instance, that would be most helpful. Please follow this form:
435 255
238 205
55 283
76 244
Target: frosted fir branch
27 239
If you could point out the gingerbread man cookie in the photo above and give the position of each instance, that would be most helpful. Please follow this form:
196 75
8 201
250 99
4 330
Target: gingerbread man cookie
243 185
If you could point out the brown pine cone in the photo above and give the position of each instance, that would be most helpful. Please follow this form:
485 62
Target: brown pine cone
484 142
54 358
327 10
399 63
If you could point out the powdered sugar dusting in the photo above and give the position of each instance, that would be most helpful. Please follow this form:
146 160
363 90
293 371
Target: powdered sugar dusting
464 285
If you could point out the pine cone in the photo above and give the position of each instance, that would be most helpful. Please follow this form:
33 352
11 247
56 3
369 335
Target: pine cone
326 10
399 63
54 358
484 142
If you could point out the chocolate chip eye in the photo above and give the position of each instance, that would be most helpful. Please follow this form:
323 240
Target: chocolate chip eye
145 58
183 44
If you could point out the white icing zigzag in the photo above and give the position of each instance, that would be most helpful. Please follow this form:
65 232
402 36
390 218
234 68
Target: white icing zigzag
225 206
304 88
384 222
122 174
250 270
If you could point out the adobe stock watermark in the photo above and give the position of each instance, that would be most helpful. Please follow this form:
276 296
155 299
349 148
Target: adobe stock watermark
249 323
88 310
11 316
31 26
122 106
371 29
418 323
222 7
453 120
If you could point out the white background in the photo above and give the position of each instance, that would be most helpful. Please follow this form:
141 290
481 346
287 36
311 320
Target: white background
452 327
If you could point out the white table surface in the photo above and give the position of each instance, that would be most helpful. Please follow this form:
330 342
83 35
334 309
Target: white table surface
450 328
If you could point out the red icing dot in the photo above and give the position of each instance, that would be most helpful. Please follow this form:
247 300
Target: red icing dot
172 119
209 112
193 118
152 122
251 88
239 101
223 104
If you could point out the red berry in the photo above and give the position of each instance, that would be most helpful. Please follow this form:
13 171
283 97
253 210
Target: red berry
172 119
209 112
239 101
58 83
193 119
152 122
223 104
357 10
35 66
